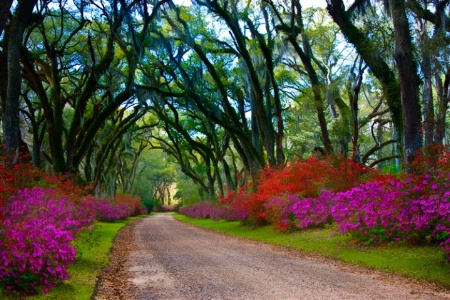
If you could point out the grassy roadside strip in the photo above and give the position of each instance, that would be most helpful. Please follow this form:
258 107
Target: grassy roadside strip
422 263
93 255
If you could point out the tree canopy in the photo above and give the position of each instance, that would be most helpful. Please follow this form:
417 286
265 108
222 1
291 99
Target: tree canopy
122 92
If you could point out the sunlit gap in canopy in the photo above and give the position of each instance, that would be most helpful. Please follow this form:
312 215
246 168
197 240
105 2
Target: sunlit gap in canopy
305 3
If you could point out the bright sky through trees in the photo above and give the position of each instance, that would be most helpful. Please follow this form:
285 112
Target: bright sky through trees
305 3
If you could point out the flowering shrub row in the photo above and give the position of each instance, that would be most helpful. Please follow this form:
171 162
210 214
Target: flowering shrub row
36 228
416 210
304 178
207 210
134 203
37 224
204 210
35 237
110 211
103 210
385 209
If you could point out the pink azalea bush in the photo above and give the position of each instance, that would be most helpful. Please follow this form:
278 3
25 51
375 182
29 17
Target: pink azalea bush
292 211
375 211
35 234
409 210
204 210
105 210
416 210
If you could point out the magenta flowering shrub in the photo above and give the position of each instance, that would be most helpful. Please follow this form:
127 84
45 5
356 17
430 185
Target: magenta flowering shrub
207 210
204 210
415 210
106 211
431 211
410 210
294 212
313 211
375 211
35 234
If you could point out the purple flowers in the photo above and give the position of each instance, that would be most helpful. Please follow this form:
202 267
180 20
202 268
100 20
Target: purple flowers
206 210
105 211
36 230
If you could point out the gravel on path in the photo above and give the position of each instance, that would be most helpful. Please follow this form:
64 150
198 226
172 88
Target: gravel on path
160 258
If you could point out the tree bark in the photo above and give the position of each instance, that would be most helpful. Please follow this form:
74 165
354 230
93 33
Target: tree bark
10 111
408 82
442 90
5 6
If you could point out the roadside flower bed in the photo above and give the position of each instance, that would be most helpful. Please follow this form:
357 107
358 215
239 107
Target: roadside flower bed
384 209
36 232
40 215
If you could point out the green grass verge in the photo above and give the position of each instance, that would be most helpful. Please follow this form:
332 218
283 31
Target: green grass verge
423 263
93 249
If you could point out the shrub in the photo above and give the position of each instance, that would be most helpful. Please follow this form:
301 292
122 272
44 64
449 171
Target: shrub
204 210
306 179
415 209
304 213
15 176
64 186
148 204
134 203
36 232
236 204
106 211
374 211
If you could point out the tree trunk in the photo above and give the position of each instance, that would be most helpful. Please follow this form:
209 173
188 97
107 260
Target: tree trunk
427 93
428 105
5 6
11 109
442 90
408 82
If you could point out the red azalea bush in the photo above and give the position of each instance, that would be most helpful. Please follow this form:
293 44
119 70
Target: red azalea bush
64 186
35 234
15 176
134 203
236 203
303 178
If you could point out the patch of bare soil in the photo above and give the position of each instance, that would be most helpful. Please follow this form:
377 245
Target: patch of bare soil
114 282
161 258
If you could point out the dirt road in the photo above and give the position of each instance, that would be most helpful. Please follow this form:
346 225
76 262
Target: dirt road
161 258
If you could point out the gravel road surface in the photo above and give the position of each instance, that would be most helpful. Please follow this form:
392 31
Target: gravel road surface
161 258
